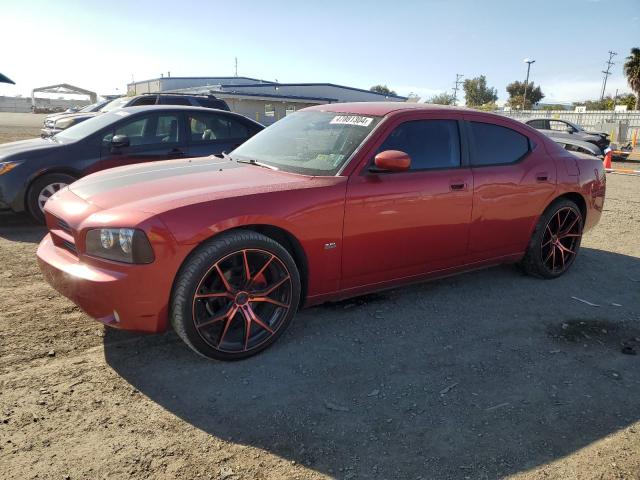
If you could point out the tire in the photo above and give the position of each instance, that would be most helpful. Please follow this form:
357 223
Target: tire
42 187
555 242
236 280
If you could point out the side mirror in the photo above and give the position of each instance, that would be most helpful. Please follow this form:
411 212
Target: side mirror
569 129
119 141
391 161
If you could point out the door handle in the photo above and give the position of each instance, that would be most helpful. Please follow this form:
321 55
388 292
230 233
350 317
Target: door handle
458 186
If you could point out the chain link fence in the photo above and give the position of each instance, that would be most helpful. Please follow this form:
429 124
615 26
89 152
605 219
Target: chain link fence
619 125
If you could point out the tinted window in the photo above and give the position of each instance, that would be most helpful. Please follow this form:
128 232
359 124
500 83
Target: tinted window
212 103
175 100
537 124
429 143
146 100
167 129
494 144
147 130
206 127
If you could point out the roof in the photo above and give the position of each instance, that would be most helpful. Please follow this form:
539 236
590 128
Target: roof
180 108
382 108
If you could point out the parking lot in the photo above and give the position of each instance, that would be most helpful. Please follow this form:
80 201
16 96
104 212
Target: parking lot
485 375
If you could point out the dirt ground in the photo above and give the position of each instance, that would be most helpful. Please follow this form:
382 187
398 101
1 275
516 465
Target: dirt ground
491 374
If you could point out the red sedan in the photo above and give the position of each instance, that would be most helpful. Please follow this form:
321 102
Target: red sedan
330 202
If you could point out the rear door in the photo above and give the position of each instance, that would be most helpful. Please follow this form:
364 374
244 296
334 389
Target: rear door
152 136
514 180
215 132
403 224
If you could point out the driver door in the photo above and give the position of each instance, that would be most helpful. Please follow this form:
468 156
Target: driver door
152 137
404 224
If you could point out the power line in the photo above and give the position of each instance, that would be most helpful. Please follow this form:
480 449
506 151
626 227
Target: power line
455 89
607 72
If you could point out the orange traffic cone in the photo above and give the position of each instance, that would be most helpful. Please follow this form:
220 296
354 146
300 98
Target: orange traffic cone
607 159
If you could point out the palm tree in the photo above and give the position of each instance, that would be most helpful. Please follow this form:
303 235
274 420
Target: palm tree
632 71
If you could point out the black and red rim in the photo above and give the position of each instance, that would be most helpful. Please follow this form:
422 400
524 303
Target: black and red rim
561 239
242 301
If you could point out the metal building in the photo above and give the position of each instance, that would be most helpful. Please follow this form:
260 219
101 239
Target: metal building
262 100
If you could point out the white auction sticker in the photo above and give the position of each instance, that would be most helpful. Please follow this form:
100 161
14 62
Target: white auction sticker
352 120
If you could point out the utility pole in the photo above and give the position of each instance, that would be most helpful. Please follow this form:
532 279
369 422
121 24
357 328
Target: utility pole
607 72
528 61
455 88
236 66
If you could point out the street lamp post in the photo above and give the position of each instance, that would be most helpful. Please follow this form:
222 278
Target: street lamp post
528 61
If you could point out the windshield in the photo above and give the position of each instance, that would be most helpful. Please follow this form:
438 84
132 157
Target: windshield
88 127
311 143
113 104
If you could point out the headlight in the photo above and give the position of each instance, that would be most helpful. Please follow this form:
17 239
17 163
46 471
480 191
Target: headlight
6 167
65 123
119 244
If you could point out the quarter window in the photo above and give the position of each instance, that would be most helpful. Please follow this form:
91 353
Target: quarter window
496 145
429 143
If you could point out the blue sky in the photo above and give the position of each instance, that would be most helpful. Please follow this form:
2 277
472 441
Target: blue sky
412 46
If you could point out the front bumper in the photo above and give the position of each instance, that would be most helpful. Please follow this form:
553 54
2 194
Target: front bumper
116 297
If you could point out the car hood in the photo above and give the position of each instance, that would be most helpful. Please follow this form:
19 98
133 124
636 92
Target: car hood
83 115
157 187
29 148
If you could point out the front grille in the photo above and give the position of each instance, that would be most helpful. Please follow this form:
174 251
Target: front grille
70 246
62 234
64 226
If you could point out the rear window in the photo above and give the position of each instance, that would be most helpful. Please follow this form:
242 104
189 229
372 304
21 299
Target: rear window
496 145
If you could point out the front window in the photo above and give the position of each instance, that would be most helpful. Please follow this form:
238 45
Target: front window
311 143
88 127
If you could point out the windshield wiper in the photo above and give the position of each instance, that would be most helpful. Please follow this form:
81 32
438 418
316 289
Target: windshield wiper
255 162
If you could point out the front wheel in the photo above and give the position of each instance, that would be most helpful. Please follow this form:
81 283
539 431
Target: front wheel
555 241
235 295
42 189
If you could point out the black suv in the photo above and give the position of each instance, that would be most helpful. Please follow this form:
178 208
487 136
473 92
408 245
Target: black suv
53 125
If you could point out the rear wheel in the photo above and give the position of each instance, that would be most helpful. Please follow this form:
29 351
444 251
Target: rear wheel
235 296
555 241
42 189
